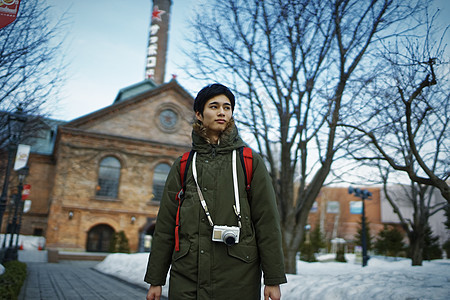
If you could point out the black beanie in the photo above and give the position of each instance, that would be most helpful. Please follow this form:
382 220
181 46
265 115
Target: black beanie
211 91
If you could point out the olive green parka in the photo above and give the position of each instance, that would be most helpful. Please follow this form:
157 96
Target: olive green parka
203 269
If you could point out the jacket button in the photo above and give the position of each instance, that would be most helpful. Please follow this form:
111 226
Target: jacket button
205 189
201 251
206 161
203 219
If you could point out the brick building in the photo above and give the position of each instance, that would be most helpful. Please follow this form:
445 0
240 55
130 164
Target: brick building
107 169
338 213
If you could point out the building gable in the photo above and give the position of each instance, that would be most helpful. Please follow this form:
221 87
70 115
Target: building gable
145 112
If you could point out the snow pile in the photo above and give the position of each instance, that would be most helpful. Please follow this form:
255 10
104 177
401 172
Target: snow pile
381 279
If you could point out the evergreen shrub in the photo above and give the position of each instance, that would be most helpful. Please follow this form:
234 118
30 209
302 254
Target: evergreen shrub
12 280
119 243
431 248
389 242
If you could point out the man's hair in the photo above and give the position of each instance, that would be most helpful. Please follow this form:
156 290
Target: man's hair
211 91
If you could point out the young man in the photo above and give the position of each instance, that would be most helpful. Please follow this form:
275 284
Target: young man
214 266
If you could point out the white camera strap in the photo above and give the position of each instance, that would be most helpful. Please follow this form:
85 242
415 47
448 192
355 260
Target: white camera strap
199 191
237 207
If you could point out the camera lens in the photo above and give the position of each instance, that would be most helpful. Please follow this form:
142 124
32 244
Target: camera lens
229 238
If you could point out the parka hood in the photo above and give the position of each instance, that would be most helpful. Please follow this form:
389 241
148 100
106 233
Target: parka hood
229 140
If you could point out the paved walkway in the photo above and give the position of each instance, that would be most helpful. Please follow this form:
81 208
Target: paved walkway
72 280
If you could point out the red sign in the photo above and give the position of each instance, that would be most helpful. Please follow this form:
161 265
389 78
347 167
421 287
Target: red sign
26 191
8 11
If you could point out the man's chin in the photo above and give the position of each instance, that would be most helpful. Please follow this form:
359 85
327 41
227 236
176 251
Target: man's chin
218 129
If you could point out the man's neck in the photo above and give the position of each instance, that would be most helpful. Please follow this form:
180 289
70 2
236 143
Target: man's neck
213 138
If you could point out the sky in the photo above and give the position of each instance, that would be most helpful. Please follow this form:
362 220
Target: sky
106 47
383 278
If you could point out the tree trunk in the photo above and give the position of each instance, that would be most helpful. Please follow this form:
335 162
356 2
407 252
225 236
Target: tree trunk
291 244
290 262
416 248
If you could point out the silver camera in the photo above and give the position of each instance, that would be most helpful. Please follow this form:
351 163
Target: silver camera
227 234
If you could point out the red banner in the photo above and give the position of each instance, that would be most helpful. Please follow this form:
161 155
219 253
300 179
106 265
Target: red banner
8 11
26 189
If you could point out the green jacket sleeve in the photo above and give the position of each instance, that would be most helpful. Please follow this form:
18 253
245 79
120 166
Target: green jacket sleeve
163 242
266 219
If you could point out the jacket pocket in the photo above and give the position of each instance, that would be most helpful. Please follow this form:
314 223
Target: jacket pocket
242 252
184 250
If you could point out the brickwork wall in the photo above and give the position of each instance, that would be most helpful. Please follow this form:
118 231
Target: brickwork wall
41 174
76 179
141 120
347 224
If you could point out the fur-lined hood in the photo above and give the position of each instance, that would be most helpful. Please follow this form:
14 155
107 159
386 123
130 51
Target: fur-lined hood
228 140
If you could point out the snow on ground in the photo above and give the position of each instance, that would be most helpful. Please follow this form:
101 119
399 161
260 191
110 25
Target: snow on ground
383 278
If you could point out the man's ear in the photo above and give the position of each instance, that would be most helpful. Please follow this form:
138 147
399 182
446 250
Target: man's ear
199 116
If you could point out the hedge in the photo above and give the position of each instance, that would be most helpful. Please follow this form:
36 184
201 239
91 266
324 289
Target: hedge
11 281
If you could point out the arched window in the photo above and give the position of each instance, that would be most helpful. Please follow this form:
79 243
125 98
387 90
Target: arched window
108 177
159 180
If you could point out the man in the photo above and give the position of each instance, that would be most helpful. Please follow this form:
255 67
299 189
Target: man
203 265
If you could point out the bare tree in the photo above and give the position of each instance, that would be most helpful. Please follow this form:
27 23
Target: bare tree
290 63
404 129
407 116
414 204
31 64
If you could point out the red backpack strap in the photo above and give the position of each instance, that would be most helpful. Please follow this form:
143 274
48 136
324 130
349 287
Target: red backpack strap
183 163
247 164
184 166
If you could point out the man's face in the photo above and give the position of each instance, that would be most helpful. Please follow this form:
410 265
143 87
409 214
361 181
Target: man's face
216 114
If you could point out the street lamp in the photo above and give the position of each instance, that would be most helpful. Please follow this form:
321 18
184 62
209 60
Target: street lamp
15 124
363 194
20 199
11 252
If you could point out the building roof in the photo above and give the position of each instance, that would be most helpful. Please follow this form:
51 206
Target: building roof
44 141
135 90
39 132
